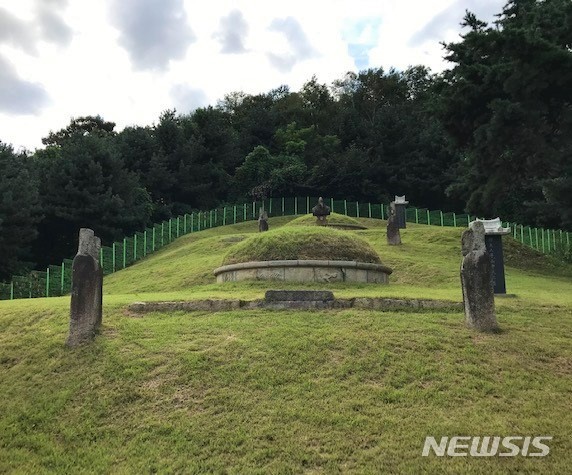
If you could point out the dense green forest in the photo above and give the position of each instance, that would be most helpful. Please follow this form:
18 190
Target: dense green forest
491 136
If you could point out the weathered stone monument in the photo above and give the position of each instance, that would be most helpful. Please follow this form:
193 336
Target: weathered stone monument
321 212
493 240
262 221
400 210
393 235
86 290
476 280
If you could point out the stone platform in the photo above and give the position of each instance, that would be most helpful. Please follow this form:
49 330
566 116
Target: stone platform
305 271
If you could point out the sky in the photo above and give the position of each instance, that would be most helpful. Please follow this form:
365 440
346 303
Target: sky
130 60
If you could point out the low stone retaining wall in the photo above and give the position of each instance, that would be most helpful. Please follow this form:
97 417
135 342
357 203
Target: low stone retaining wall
305 271
365 303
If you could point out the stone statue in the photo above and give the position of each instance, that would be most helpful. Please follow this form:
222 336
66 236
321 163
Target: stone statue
476 280
393 234
321 211
262 221
86 290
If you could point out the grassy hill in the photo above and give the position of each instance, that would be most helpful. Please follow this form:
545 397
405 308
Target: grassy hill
288 391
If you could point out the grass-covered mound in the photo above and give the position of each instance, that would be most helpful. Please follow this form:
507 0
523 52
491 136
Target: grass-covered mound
302 242
334 219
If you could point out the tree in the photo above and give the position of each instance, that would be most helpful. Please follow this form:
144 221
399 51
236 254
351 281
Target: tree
85 184
19 212
88 125
507 102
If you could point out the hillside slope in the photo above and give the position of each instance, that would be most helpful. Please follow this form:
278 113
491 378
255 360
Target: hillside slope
288 392
426 265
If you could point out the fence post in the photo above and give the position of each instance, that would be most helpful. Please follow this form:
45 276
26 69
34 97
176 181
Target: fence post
134 247
369 209
178 225
530 236
543 245
153 239
357 208
468 220
185 223
245 211
113 257
295 206
62 279
454 220
428 217
536 238
332 204
307 204
416 215
346 207
224 216
522 233
270 206
12 290
382 211
254 209
234 214
101 257
442 222
124 253
282 206
144 243
47 282
170 230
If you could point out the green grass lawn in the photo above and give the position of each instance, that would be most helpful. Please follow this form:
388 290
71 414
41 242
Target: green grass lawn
342 391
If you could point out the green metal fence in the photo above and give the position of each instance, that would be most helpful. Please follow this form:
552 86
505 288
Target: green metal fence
56 280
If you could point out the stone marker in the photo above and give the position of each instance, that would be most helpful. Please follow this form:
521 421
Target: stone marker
321 212
393 235
476 280
400 210
493 240
262 221
86 290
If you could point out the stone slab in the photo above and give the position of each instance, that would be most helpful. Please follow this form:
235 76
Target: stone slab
298 295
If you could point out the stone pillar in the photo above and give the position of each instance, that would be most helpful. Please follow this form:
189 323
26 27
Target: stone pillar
400 207
476 280
321 211
393 235
262 221
86 290
493 240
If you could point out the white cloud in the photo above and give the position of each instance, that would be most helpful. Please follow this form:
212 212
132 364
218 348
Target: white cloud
232 33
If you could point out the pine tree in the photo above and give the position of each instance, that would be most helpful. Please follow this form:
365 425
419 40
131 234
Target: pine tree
19 212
